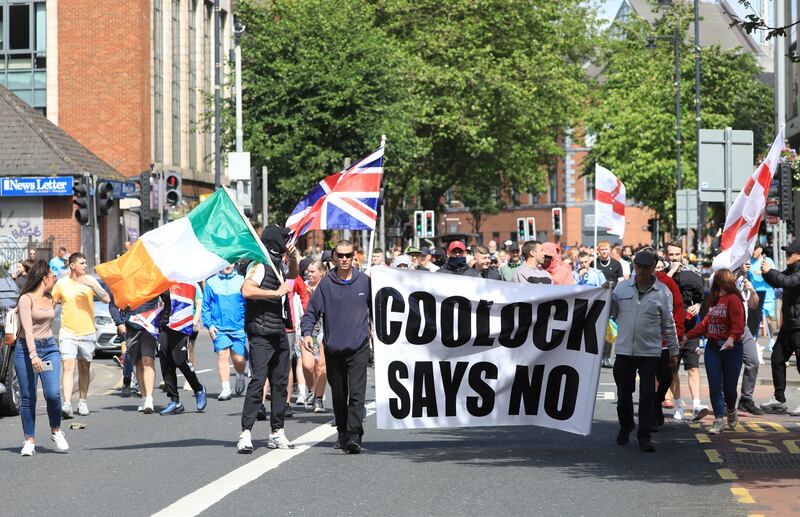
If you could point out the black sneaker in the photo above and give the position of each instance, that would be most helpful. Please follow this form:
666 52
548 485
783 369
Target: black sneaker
341 441
622 437
354 444
748 406
262 413
645 445
289 412
126 391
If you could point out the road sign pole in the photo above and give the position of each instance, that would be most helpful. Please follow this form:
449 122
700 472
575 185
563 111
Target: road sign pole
728 168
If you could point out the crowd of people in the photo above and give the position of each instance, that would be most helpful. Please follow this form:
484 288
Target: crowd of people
304 321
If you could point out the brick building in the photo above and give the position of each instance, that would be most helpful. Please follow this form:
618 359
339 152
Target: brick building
130 80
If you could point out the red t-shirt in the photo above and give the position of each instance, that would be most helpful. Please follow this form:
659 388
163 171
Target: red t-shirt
724 320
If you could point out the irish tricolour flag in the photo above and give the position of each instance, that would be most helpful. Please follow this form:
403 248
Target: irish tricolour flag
188 250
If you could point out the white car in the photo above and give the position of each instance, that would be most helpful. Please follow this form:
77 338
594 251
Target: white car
107 340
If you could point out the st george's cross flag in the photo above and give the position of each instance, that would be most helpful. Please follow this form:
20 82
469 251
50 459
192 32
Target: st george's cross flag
744 217
609 207
347 200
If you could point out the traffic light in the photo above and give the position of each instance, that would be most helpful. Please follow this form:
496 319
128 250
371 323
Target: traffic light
173 182
80 190
521 229
104 197
779 197
144 194
430 224
651 226
419 223
557 228
531 227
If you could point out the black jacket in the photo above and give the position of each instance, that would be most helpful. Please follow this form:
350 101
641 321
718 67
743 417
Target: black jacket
789 281
464 271
491 274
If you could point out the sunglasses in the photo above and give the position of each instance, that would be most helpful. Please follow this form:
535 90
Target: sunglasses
345 255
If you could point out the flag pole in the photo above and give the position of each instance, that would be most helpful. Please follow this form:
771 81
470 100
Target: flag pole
594 248
378 213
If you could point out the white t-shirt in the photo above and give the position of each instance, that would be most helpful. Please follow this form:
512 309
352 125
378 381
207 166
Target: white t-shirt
255 272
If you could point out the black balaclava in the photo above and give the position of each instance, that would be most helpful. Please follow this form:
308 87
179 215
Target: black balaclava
274 238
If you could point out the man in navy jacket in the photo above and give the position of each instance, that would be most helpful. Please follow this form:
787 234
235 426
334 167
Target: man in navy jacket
343 298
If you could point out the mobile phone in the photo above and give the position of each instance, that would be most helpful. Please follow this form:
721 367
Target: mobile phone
47 366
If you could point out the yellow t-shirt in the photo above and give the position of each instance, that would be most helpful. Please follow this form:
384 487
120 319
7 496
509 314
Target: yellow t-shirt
77 306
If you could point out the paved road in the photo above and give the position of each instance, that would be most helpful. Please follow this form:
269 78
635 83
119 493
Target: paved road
127 463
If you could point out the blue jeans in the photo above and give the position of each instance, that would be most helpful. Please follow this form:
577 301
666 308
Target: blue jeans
29 378
722 369
127 369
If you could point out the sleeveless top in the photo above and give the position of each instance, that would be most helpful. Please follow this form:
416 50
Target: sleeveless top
42 321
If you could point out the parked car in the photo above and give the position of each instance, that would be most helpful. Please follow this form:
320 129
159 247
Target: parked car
108 342
10 398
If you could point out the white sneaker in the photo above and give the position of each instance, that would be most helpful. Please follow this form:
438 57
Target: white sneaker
239 385
224 395
83 408
66 410
278 440
678 416
717 426
245 445
60 441
146 407
28 449
699 413
795 411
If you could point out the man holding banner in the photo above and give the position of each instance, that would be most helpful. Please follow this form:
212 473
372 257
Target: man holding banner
642 307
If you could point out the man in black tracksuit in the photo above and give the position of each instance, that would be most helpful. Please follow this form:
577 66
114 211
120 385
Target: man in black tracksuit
789 335
343 298
264 293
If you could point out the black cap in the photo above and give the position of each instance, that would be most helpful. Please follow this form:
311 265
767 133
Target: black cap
513 248
793 247
645 258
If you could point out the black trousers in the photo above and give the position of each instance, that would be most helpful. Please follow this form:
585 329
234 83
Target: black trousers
785 345
269 359
625 369
173 353
754 316
347 376
664 378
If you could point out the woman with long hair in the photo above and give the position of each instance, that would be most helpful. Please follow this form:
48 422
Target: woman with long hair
314 369
37 357
723 326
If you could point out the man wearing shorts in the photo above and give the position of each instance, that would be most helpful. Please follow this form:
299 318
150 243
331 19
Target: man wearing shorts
77 337
223 316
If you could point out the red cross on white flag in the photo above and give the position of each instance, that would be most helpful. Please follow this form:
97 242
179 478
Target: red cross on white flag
609 206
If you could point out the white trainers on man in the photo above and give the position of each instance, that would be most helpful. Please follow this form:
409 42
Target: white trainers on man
678 416
60 441
83 408
245 444
28 449
278 440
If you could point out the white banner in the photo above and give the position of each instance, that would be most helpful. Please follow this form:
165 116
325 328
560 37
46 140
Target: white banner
454 351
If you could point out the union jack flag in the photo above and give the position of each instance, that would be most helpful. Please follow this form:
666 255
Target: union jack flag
347 200
181 318
150 320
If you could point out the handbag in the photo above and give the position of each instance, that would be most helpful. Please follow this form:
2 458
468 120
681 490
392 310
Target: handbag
11 326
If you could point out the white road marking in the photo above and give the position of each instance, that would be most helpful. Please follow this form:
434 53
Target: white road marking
205 497
608 384
605 395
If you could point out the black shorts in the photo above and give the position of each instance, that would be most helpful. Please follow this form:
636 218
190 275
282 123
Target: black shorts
193 337
140 344
689 355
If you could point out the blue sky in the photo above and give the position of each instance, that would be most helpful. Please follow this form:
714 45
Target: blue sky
608 8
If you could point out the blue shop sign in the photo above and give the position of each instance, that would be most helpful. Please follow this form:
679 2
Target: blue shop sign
122 189
36 186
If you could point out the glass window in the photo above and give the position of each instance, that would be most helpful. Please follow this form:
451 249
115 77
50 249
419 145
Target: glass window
19 27
40 29
192 84
176 82
2 11
552 185
19 81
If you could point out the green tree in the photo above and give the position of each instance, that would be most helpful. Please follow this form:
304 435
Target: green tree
321 82
633 109
495 83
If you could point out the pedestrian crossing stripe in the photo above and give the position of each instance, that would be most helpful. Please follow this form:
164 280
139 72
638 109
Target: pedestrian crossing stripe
713 456
742 495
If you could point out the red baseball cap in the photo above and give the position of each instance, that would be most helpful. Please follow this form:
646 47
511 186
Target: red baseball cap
456 245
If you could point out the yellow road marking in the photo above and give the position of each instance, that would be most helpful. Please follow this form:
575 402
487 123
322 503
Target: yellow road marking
727 474
755 515
695 426
702 438
742 495
776 427
713 456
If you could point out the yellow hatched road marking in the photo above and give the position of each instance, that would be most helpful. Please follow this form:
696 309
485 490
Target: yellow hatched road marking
755 515
695 426
727 474
742 495
702 438
713 456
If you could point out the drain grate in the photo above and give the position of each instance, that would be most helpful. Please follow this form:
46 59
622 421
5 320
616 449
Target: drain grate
763 462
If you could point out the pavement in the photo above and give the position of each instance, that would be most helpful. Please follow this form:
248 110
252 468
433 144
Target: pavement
128 463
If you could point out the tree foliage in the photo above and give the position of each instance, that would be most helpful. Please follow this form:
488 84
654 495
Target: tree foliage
468 92
633 112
